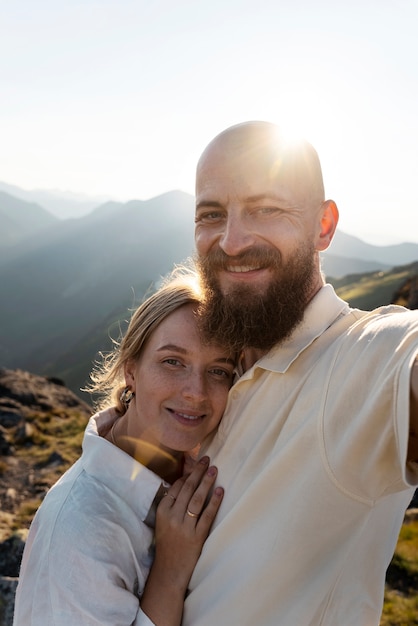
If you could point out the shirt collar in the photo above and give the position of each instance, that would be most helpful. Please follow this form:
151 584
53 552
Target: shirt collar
322 311
133 482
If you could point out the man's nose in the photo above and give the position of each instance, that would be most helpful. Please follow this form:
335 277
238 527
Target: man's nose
236 236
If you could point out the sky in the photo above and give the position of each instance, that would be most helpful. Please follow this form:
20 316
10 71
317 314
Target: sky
118 98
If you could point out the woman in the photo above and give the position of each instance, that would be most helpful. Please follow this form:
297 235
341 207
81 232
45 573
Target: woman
90 546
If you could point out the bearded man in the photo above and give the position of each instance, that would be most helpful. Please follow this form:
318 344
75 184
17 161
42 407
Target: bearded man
317 450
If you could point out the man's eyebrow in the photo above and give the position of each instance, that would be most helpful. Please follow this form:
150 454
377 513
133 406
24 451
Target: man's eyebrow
255 198
208 203
264 196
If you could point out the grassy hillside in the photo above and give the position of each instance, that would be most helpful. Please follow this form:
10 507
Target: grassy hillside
374 289
401 595
53 441
368 291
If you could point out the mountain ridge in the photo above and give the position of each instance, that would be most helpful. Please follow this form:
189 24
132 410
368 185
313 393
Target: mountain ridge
61 204
347 253
72 280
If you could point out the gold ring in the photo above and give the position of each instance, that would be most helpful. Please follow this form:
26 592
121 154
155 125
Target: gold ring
190 514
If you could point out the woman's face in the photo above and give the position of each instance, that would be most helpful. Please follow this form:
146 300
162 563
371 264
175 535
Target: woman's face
181 385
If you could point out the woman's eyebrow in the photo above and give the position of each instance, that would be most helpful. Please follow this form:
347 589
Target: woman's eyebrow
172 346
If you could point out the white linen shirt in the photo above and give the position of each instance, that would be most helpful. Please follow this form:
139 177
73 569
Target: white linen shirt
89 550
312 453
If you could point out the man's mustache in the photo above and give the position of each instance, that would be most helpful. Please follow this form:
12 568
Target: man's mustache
258 256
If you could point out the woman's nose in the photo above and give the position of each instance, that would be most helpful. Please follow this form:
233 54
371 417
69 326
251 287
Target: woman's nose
195 387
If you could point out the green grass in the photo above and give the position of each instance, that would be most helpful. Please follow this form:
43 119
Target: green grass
60 431
401 594
25 513
399 610
368 291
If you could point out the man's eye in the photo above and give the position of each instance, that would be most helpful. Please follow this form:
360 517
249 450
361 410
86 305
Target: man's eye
266 210
209 216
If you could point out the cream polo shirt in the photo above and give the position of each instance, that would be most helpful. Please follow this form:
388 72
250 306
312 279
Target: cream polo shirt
312 454
89 551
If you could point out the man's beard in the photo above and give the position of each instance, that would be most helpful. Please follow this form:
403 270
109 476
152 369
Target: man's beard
245 316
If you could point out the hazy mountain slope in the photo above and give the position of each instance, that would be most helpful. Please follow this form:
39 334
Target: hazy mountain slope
20 219
67 286
337 266
62 204
347 246
346 255
63 290
371 290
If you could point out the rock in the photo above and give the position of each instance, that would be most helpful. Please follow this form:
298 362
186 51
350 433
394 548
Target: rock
5 447
22 391
10 555
7 598
10 416
54 460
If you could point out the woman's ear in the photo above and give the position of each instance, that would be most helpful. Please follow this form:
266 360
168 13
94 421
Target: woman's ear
129 371
329 220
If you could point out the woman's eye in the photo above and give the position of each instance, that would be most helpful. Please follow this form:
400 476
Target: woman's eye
172 361
222 373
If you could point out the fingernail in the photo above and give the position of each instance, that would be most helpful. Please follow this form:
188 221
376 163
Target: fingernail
212 471
219 491
204 460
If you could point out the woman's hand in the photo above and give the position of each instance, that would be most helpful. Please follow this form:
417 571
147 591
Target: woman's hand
184 518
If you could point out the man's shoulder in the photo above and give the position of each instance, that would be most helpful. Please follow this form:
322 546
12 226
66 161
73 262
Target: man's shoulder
386 316
385 328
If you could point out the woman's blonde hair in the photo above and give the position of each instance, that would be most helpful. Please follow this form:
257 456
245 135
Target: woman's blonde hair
181 287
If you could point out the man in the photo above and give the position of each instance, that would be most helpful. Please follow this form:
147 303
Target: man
317 449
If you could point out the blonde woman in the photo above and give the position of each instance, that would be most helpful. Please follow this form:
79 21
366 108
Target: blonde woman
91 544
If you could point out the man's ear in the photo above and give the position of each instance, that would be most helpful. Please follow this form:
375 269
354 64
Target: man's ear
329 220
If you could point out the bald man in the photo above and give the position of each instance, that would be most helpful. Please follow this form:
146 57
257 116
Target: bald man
317 449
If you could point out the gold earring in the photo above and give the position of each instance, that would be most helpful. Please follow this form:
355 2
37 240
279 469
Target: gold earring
126 396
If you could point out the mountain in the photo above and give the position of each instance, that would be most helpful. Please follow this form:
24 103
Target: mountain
20 220
349 247
61 204
369 290
41 430
68 285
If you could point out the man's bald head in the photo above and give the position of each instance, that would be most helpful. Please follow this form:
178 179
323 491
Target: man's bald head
295 162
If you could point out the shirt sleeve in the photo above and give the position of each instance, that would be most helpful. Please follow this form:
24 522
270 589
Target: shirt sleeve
142 619
366 407
84 568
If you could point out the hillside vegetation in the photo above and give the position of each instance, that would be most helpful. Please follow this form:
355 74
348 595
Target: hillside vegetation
42 441
69 283
41 429
70 290
375 289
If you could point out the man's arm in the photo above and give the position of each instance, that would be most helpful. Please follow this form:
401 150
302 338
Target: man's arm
413 415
